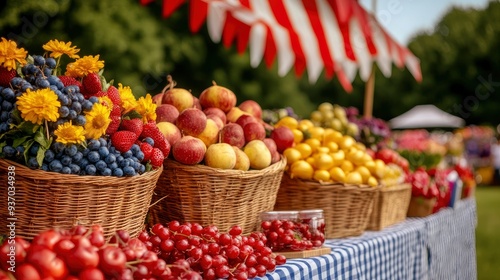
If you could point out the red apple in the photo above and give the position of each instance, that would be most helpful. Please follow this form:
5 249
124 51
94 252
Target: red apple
283 136
189 150
251 107
254 131
217 112
244 119
157 99
233 134
191 121
233 114
196 103
166 113
217 120
218 97
275 157
271 145
171 132
179 97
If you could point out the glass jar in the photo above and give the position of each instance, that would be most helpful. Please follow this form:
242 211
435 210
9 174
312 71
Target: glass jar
281 229
312 226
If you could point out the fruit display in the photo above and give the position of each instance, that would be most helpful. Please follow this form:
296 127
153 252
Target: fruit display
327 155
76 122
171 251
212 130
373 132
334 116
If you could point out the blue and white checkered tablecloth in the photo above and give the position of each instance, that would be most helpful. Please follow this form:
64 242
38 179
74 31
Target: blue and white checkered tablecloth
441 246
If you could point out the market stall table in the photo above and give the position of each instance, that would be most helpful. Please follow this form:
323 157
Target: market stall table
440 246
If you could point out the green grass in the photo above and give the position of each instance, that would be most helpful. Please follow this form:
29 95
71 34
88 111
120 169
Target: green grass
488 232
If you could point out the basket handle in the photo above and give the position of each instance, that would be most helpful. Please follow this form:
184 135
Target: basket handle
154 203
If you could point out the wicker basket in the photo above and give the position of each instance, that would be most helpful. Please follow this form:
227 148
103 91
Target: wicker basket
346 208
212 196
390 206
421 207
46 200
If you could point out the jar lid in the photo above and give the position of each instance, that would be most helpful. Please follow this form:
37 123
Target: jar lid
288 215
312 213
270 215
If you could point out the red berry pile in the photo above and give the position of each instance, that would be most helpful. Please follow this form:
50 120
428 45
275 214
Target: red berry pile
211 253
286 235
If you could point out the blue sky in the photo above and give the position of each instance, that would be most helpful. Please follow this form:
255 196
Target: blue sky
403 18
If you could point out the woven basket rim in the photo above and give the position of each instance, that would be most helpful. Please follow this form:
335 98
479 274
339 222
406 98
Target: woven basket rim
41 174
203 169
392 188
334 185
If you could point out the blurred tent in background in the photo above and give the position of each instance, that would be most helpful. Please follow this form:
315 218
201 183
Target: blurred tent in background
426 116
337 36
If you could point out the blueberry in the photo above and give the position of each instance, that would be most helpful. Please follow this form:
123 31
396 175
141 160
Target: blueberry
49 156
142 169
70 90
110 158
128 154
106 172
3 127
119 158
93 157
50 62
140 156
58 147
4 116
94 145
83 163
9 151
90 169
53 80
39 60
150 141
60 85
113 150
87 105
65 101
55 166
77 107
80 120
63 111
8 94
34 148
103 142
26 86
136 166
103 152
16 82
75 169
118 172
135 148
85 152
77 157
45 167
112 165
123 163
129 171
80 96
20 150
32 163
72 114
101 165
7 106
66 170
66 160
94 99
71 150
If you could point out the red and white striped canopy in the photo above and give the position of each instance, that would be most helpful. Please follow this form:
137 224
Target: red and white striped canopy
337 36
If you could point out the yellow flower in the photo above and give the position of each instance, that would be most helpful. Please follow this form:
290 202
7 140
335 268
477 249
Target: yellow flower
97 121
106 101
39 105
10 54
67 133
58 48
128 99
83 66
146 108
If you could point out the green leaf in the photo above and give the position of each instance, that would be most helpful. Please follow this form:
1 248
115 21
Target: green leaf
2 144
40 155
27 146
133 115
149 167
20 141
41 138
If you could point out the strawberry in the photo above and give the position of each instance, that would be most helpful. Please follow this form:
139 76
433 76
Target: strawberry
134 125
116 111
100 94
151 130
6 76
147 150
164 146
114 95
70 81
91 84
114 125
157 157
123 140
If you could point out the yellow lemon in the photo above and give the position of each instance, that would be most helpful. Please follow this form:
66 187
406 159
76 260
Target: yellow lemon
321 175
323 161
314 143
316 116
347 166
316 132
364 172
305 124
327 115
332 136
304 149
323 150
287 121
301 169
337 174
332 146
372 181
325 107
380 169
338 157
292 155
367 157
353 178
346 142
311 161
360 146
298 136
370 165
